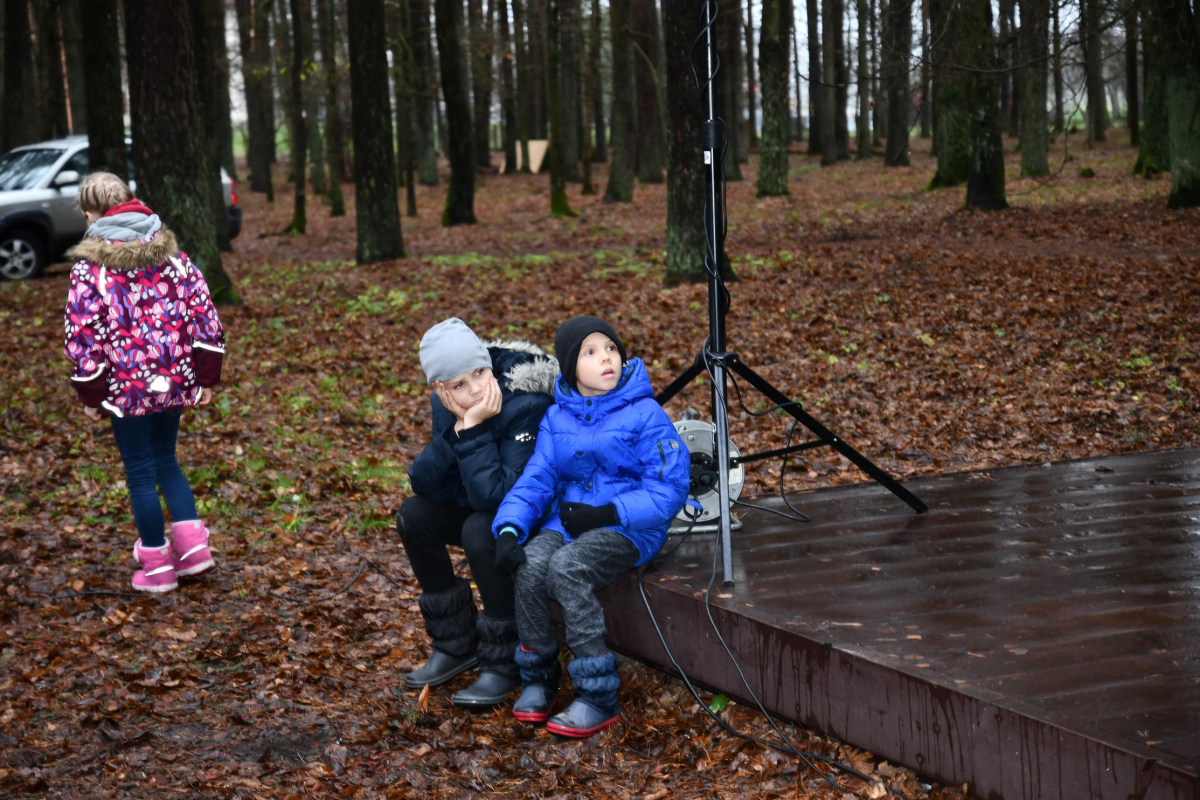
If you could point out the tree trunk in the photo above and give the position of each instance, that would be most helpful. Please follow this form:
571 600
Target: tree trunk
600 147
863 139
829 152
536 13
1093 69
480 38
897 43
568 100
1132 87
729 48
1181 59
1059 121
774 35
1006 63
1015 59
333 113
173 171
312 104
378 209
646 51
72 31
591 81
20 84
952 134
559 207
425 95
253 19
300 53
460 194
208 26
751 138
1035 52
624 112
985 165
508 105
104 97
1154 150
52 91
926 76
816 80
797 128
877 104
281 67
686 171
841 94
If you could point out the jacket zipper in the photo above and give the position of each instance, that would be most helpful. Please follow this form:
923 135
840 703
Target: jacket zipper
663 455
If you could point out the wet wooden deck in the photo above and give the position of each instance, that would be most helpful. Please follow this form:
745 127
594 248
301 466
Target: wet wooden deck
1036 633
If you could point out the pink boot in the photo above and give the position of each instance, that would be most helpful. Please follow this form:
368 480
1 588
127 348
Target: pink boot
157 573
192 555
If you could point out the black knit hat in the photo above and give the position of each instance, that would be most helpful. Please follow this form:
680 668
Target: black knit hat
569 338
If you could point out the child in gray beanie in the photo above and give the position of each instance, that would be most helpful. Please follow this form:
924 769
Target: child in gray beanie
486 405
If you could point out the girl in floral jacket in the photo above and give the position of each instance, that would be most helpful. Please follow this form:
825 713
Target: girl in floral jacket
144 342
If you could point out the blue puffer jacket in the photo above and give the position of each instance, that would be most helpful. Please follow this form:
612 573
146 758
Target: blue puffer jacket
618 448
475 468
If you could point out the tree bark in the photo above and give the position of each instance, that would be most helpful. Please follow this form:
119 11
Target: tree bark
624 112
952 133
20 84
333 113
926 75
536 14
774 35
897 43
877 101
985 165
646 50
525 110
1132 86
508 105
378 209
816 78
212 97
1006 63
1035 53
569 100
1059 121
103 95
686 171
72 30
460 194
281 69
300 53
600 147
559 207
841 93
1181 59
1154 149
173 172
253 20
312 103
480 38
1093 69
425 84
751 138
591 81
863 126
729 49
829 151
52 92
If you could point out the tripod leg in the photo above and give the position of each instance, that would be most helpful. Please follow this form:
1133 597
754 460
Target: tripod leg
687 376
827 436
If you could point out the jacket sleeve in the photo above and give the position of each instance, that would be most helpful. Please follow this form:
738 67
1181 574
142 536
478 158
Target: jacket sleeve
84 343
491 457
204 327
534 492
666 469
434 473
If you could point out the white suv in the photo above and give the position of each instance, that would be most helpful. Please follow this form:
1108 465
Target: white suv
38 216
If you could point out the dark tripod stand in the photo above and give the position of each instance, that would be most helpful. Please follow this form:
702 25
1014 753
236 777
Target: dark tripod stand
715 359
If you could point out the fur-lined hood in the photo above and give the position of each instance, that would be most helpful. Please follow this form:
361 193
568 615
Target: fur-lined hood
524 366
126 255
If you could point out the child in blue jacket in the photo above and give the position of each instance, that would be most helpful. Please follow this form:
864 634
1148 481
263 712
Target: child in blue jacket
608 474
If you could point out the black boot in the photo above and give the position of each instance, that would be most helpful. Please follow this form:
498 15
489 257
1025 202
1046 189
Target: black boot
498 673
540 673
450 622
595 706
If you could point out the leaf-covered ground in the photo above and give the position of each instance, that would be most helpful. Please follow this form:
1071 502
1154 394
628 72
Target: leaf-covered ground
933 340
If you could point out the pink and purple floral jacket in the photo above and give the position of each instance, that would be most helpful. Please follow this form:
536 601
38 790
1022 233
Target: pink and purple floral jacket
141 330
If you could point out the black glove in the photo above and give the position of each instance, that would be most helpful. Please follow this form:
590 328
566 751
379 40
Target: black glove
509 553
580 517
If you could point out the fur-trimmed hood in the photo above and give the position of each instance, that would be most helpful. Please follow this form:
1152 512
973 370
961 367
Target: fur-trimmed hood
524 366
126 255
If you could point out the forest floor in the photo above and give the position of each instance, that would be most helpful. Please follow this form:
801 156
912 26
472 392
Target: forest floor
932 339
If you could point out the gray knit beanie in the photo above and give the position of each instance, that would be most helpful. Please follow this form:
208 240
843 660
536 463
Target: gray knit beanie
449 349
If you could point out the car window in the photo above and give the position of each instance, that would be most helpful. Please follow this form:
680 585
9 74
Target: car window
78 162
22 169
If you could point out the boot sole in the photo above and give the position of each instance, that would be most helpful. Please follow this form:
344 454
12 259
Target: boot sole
480 702
581 733
167 587
535 717
444 678
196 570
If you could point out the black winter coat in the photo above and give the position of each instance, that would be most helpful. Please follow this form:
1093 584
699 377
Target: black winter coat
477 467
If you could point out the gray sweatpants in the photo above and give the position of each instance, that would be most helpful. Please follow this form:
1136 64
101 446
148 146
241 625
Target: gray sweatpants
570 573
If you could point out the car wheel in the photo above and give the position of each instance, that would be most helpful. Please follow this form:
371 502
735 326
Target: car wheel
22 256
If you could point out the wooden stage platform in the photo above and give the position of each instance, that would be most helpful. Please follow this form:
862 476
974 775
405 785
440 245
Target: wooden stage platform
1036 633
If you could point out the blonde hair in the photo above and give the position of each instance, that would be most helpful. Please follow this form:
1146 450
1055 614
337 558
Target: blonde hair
100 191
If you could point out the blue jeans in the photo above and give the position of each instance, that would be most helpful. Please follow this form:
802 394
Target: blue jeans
147 446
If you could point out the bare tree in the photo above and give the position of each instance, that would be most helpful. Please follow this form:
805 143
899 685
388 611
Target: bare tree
104 97
460 194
